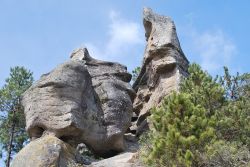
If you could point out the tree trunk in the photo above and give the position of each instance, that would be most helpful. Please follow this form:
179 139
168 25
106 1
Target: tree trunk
12 131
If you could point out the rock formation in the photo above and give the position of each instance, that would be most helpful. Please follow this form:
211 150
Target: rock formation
164 64
111 84
90 101
82 101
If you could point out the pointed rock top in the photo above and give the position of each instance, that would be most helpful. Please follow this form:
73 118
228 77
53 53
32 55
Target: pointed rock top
149 15
160 31
147 11
159 27
81 53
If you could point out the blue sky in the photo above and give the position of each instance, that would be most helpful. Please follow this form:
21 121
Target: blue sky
40 34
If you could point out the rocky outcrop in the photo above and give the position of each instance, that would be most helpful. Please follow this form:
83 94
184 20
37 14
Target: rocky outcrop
164 64
82 101
45 152
90 101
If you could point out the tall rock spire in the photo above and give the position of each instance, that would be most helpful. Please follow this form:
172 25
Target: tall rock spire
164 64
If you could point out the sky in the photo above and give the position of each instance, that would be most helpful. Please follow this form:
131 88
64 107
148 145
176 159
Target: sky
40 34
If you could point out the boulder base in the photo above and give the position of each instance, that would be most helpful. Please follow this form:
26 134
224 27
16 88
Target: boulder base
46 151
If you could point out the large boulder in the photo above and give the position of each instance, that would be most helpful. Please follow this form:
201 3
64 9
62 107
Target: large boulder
111 84
164 65
79 103
46 151
63 103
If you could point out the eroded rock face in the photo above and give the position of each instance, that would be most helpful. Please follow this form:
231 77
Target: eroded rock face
164 64
81 101
62 103
111 84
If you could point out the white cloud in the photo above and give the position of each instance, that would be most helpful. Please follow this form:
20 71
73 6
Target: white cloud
123 35
213 48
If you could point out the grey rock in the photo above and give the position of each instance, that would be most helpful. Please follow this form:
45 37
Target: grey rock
132 146
62 103
82 101
164 65
45 151
111 84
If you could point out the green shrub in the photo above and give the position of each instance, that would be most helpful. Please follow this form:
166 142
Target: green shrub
181 130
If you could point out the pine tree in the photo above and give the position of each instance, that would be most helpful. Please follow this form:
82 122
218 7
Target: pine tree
205 124
181 131
184 125
234 116
204 90
12 121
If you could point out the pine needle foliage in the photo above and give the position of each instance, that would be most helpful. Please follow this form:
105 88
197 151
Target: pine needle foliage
12 120
190 125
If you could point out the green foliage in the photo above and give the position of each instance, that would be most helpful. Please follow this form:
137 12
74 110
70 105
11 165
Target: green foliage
227 154
237 86
204 90
12 120
234 116
135 73
189 127
181 131
233 121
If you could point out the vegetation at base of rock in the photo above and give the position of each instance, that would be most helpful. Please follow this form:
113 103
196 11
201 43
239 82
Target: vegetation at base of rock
87 154
206 124
135 73
12 120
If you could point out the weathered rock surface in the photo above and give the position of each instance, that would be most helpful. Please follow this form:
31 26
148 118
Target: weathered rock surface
62 103
82 101
46 151
111 84
164 64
